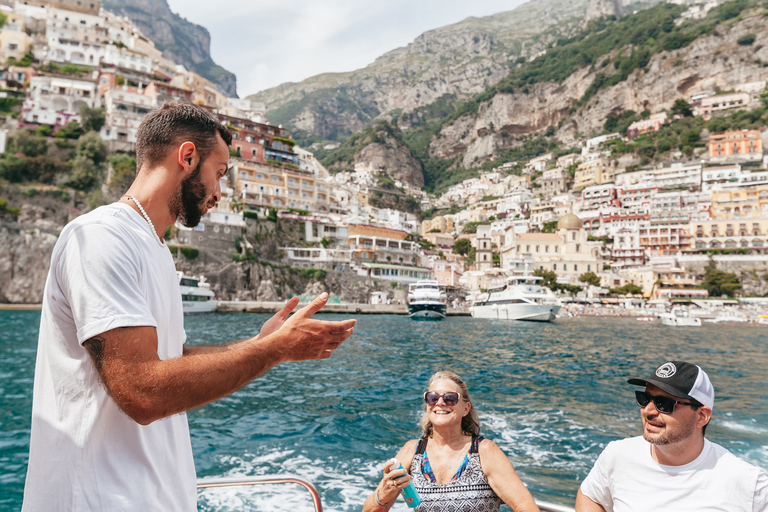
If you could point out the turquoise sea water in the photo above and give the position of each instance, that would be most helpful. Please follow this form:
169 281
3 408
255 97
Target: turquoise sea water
551 395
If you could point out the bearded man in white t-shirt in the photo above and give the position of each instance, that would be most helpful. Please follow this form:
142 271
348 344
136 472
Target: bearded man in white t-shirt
113 377
672 467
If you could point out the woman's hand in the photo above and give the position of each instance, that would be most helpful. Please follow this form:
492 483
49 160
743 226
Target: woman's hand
392 482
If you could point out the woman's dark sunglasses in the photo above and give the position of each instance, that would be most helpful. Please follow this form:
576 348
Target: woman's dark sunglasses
450 398
663 404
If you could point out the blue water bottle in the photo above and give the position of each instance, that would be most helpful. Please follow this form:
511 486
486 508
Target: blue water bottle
409 493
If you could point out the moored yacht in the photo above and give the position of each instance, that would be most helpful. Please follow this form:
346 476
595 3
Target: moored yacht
196 294
426 300
521 298
680 318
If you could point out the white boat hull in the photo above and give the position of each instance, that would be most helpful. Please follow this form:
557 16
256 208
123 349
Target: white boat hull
194 306
426 311
679 321
530 312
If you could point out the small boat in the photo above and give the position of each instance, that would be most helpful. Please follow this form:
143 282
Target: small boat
196 294
426 300
727 317
679 318
521 298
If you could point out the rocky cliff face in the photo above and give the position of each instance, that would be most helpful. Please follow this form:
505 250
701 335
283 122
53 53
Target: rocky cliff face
24 264
179 40
396 161
711 63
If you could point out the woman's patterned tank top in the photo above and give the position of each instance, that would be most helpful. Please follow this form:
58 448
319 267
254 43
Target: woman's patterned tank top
468 490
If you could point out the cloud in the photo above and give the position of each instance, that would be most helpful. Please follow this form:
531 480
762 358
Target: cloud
269 43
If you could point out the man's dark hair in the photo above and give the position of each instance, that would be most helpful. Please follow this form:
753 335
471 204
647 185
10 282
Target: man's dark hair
172 124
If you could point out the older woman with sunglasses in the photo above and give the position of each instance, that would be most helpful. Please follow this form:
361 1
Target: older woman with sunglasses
452 464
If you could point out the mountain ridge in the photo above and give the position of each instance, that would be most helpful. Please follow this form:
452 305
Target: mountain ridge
462 59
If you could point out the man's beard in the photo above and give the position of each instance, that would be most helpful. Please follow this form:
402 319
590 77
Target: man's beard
190 199
683 431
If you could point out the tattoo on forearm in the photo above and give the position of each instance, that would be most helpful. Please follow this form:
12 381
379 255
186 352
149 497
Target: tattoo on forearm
95 347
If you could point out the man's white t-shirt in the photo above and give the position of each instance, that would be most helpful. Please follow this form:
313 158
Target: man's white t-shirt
107 271
626 478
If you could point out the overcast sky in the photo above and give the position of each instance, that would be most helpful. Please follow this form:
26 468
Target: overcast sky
266 43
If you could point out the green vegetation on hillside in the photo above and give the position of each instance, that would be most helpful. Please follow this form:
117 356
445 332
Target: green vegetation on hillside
30 158
614 47
380 133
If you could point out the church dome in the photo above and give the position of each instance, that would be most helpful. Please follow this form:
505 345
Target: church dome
569 221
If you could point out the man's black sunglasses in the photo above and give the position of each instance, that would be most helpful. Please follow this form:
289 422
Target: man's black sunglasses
663 404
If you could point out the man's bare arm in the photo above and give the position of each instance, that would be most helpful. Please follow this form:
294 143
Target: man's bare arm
148 389
584 504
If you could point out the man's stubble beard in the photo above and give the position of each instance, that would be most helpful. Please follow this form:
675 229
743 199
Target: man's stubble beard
684 431
189 201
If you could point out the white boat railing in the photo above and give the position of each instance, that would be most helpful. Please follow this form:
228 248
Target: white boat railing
551 507
207 483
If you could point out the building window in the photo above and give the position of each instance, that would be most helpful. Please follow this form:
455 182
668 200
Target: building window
565 267
578 248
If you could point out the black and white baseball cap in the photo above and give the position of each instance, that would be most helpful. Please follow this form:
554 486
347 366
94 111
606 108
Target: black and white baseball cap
683 380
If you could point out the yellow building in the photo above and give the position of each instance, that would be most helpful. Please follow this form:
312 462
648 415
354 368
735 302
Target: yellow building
739 221
587 174
595 172
742 203
443 223
205 93
267 185
14 41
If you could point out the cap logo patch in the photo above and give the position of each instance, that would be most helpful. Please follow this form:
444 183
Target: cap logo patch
666 370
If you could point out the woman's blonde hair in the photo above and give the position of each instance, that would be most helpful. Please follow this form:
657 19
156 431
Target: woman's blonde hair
470 424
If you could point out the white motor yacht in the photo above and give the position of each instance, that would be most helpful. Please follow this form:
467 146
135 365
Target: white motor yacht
426 300
521 298
679 318
196 294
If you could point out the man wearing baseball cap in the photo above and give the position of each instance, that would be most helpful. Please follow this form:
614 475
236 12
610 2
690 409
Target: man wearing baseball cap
672 466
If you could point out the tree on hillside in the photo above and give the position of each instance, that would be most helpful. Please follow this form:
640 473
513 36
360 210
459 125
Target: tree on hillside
682 108
123 172
571 289
549 278
590 278
471 227
719 283
22 141
92 118
71 130
549 227
462 246
90 154
627 289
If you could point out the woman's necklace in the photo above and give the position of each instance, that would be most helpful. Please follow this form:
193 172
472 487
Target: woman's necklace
144 213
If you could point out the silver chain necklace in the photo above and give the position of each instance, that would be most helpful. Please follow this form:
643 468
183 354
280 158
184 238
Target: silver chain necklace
144 213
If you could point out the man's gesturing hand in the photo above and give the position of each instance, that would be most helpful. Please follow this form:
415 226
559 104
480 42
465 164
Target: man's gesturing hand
303 337
278 319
